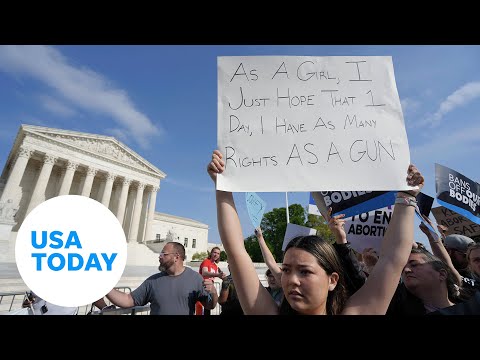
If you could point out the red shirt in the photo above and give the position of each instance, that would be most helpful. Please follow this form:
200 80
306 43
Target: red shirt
210 265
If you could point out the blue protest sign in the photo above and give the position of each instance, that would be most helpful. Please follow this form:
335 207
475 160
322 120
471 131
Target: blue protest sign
432 231
255 207
457 192
353 203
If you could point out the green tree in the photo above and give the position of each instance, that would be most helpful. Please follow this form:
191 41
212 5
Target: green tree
274 225
253 249
223 256
320 224
199 256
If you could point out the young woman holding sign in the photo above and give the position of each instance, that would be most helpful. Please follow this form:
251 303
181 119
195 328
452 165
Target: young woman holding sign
312 278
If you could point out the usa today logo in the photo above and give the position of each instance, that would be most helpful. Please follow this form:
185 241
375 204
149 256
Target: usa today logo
71 250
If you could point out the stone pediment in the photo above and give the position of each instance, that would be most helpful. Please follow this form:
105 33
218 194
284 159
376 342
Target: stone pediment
105 146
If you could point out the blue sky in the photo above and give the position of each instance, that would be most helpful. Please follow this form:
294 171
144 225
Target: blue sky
161 101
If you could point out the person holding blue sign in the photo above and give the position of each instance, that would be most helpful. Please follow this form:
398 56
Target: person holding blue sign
312 276
275 270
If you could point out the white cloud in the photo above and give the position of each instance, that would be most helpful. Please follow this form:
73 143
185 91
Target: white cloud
56 107
454 145
187 185
458 98
409 106
456 150
84 88
119 134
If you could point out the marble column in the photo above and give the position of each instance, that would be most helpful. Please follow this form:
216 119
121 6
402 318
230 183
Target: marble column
38 194
62 172
143 219
101 188
151 213
122 202
81 183
133 237
107 191
67 179
87 185
20 164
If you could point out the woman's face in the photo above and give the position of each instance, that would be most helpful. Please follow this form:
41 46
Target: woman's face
305 284
419 274
474 261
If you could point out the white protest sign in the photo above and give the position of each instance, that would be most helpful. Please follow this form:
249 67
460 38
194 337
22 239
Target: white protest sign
302 123
294 230
367 230
313 209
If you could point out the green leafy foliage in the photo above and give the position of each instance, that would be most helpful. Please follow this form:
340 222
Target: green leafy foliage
200 256
274 225
223 256
320 224
253 249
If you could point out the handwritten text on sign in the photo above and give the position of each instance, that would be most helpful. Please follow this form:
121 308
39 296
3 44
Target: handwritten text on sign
291 123
255 207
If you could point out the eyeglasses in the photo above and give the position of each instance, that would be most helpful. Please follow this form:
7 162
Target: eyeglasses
162 254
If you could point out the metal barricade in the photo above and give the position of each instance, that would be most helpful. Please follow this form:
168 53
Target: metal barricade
83 310
135 310
11 300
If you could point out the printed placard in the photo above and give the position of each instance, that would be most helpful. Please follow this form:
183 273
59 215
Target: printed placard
458 193
353 203
366 230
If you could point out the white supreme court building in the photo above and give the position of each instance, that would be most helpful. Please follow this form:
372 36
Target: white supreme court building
46 162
